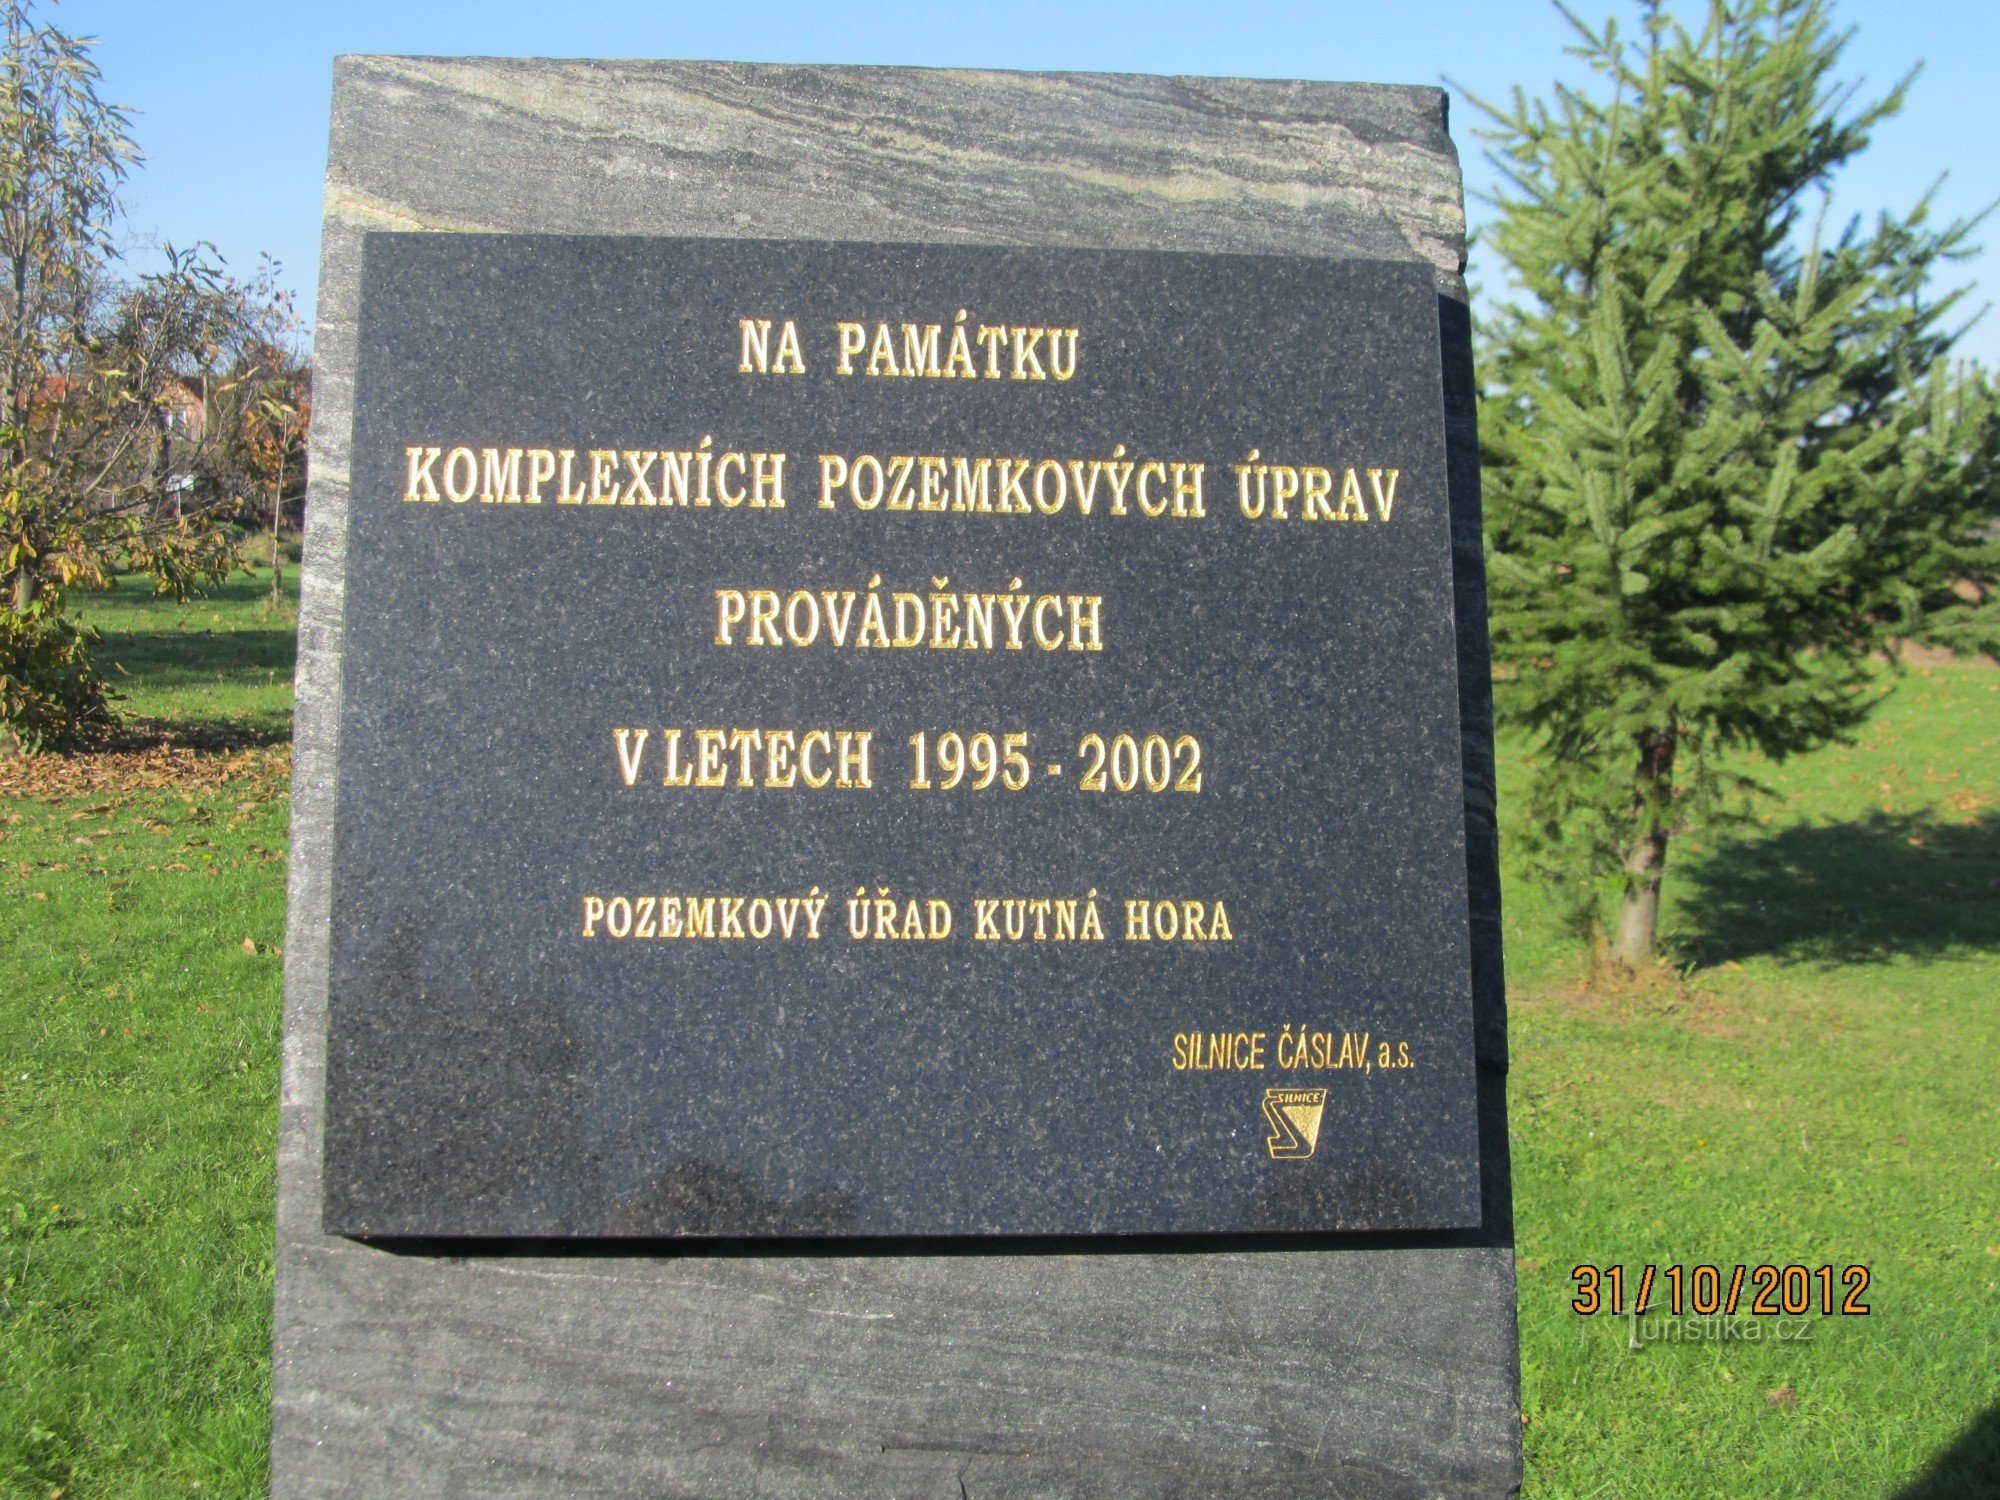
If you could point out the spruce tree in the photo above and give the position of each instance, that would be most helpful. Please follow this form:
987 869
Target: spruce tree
1728 463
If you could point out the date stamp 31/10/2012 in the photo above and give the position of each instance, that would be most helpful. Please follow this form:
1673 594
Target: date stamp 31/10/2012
1763 1291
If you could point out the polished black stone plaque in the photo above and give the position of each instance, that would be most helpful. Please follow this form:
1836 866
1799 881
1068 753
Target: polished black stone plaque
494 1072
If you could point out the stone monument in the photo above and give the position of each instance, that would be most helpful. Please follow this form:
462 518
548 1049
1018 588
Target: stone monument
893 885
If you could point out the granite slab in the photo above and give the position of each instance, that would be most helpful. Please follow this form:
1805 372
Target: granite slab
1355 1363
1120 888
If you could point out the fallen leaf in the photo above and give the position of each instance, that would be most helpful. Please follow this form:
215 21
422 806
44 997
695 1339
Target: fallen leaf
1784 1398
250 945
150 754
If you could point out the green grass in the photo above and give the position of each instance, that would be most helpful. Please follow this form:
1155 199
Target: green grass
1819 1088
138 1086
222 663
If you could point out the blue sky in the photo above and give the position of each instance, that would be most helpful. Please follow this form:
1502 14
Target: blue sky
230 96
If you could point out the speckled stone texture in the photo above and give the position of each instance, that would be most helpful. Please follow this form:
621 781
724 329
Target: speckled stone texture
1329 1366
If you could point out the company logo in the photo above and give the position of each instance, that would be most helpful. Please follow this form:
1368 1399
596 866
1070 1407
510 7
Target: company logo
1293 1115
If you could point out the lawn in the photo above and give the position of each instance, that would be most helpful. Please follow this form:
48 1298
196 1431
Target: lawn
1819 1089
140 918
1816 1086
223 663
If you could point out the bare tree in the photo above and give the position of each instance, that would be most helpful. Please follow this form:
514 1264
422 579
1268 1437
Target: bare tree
100 381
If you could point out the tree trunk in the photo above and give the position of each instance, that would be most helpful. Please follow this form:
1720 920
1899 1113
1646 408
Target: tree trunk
1639 914
1646 856
277 558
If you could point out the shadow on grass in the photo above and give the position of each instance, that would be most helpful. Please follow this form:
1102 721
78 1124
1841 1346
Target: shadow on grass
133 593
251 588
1888 885
1969 1467
172 659
136 735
